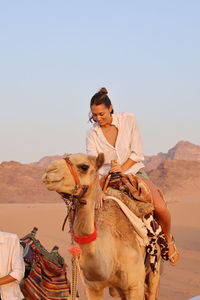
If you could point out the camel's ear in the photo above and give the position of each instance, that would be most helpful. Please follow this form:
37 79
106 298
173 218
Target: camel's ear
100 160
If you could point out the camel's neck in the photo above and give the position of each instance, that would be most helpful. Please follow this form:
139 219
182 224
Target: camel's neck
92 261
84 222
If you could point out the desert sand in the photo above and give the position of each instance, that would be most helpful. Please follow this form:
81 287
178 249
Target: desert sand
177 283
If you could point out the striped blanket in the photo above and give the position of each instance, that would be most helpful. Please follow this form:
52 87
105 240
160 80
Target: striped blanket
47 279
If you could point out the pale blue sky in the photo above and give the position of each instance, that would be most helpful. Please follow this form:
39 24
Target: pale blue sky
54 55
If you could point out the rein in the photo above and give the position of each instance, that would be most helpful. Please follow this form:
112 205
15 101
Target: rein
72 170
74 199
72 202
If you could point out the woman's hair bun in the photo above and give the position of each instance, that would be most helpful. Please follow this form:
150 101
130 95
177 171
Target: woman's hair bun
103 91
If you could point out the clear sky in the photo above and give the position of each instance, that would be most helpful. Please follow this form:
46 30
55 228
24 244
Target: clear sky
54 55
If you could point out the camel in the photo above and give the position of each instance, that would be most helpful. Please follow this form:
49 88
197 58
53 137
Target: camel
114 258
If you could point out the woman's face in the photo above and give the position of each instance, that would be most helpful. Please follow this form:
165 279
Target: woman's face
101 114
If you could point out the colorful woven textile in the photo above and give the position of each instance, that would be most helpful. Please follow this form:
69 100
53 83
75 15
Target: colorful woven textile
47 279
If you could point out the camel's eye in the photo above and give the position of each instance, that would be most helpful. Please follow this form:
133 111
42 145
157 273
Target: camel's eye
83 167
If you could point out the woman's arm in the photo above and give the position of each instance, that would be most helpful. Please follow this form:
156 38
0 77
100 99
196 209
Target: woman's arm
90 145
136 142
7 279
135 147
17 263
128 164
122 168
18 266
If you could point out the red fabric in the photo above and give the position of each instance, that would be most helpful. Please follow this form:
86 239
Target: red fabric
87 238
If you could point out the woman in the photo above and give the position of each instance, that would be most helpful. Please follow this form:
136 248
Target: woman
118 137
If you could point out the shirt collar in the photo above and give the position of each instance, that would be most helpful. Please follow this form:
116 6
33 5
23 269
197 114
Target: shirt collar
114 122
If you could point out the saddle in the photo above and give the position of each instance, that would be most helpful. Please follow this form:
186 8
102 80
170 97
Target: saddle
138 195
140 189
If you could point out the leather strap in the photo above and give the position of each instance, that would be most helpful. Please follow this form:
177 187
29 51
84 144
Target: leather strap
72 170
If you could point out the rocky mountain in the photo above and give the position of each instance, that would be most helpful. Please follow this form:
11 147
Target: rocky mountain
22 184
183 150
43 162
179 180
176 172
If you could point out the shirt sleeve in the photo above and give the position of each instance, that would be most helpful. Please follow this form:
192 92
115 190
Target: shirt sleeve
136 142
91 148
18 266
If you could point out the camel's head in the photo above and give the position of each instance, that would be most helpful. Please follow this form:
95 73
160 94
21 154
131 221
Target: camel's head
59 178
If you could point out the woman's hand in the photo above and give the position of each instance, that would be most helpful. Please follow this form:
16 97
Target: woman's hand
99 198
115 167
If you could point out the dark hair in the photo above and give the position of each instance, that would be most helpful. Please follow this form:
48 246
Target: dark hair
100 98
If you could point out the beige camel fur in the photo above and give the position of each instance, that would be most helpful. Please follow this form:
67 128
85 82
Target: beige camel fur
114 259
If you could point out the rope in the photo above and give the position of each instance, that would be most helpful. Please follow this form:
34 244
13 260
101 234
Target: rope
74 278
74 270
82 280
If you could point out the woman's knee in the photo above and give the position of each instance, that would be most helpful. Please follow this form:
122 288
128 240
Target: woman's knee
160 207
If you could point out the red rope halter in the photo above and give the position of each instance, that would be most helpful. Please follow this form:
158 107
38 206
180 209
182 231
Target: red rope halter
86 238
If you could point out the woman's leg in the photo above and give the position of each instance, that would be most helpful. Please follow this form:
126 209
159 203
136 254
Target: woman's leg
162 216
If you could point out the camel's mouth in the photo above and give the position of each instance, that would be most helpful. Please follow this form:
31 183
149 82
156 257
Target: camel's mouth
52 184
46 181
49 179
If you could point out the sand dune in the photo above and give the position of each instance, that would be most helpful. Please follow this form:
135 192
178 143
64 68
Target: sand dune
178 283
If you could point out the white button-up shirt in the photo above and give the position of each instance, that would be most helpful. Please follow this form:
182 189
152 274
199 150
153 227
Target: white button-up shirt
128 143
11 263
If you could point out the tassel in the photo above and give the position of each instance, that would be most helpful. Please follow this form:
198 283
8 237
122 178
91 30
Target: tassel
75 251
